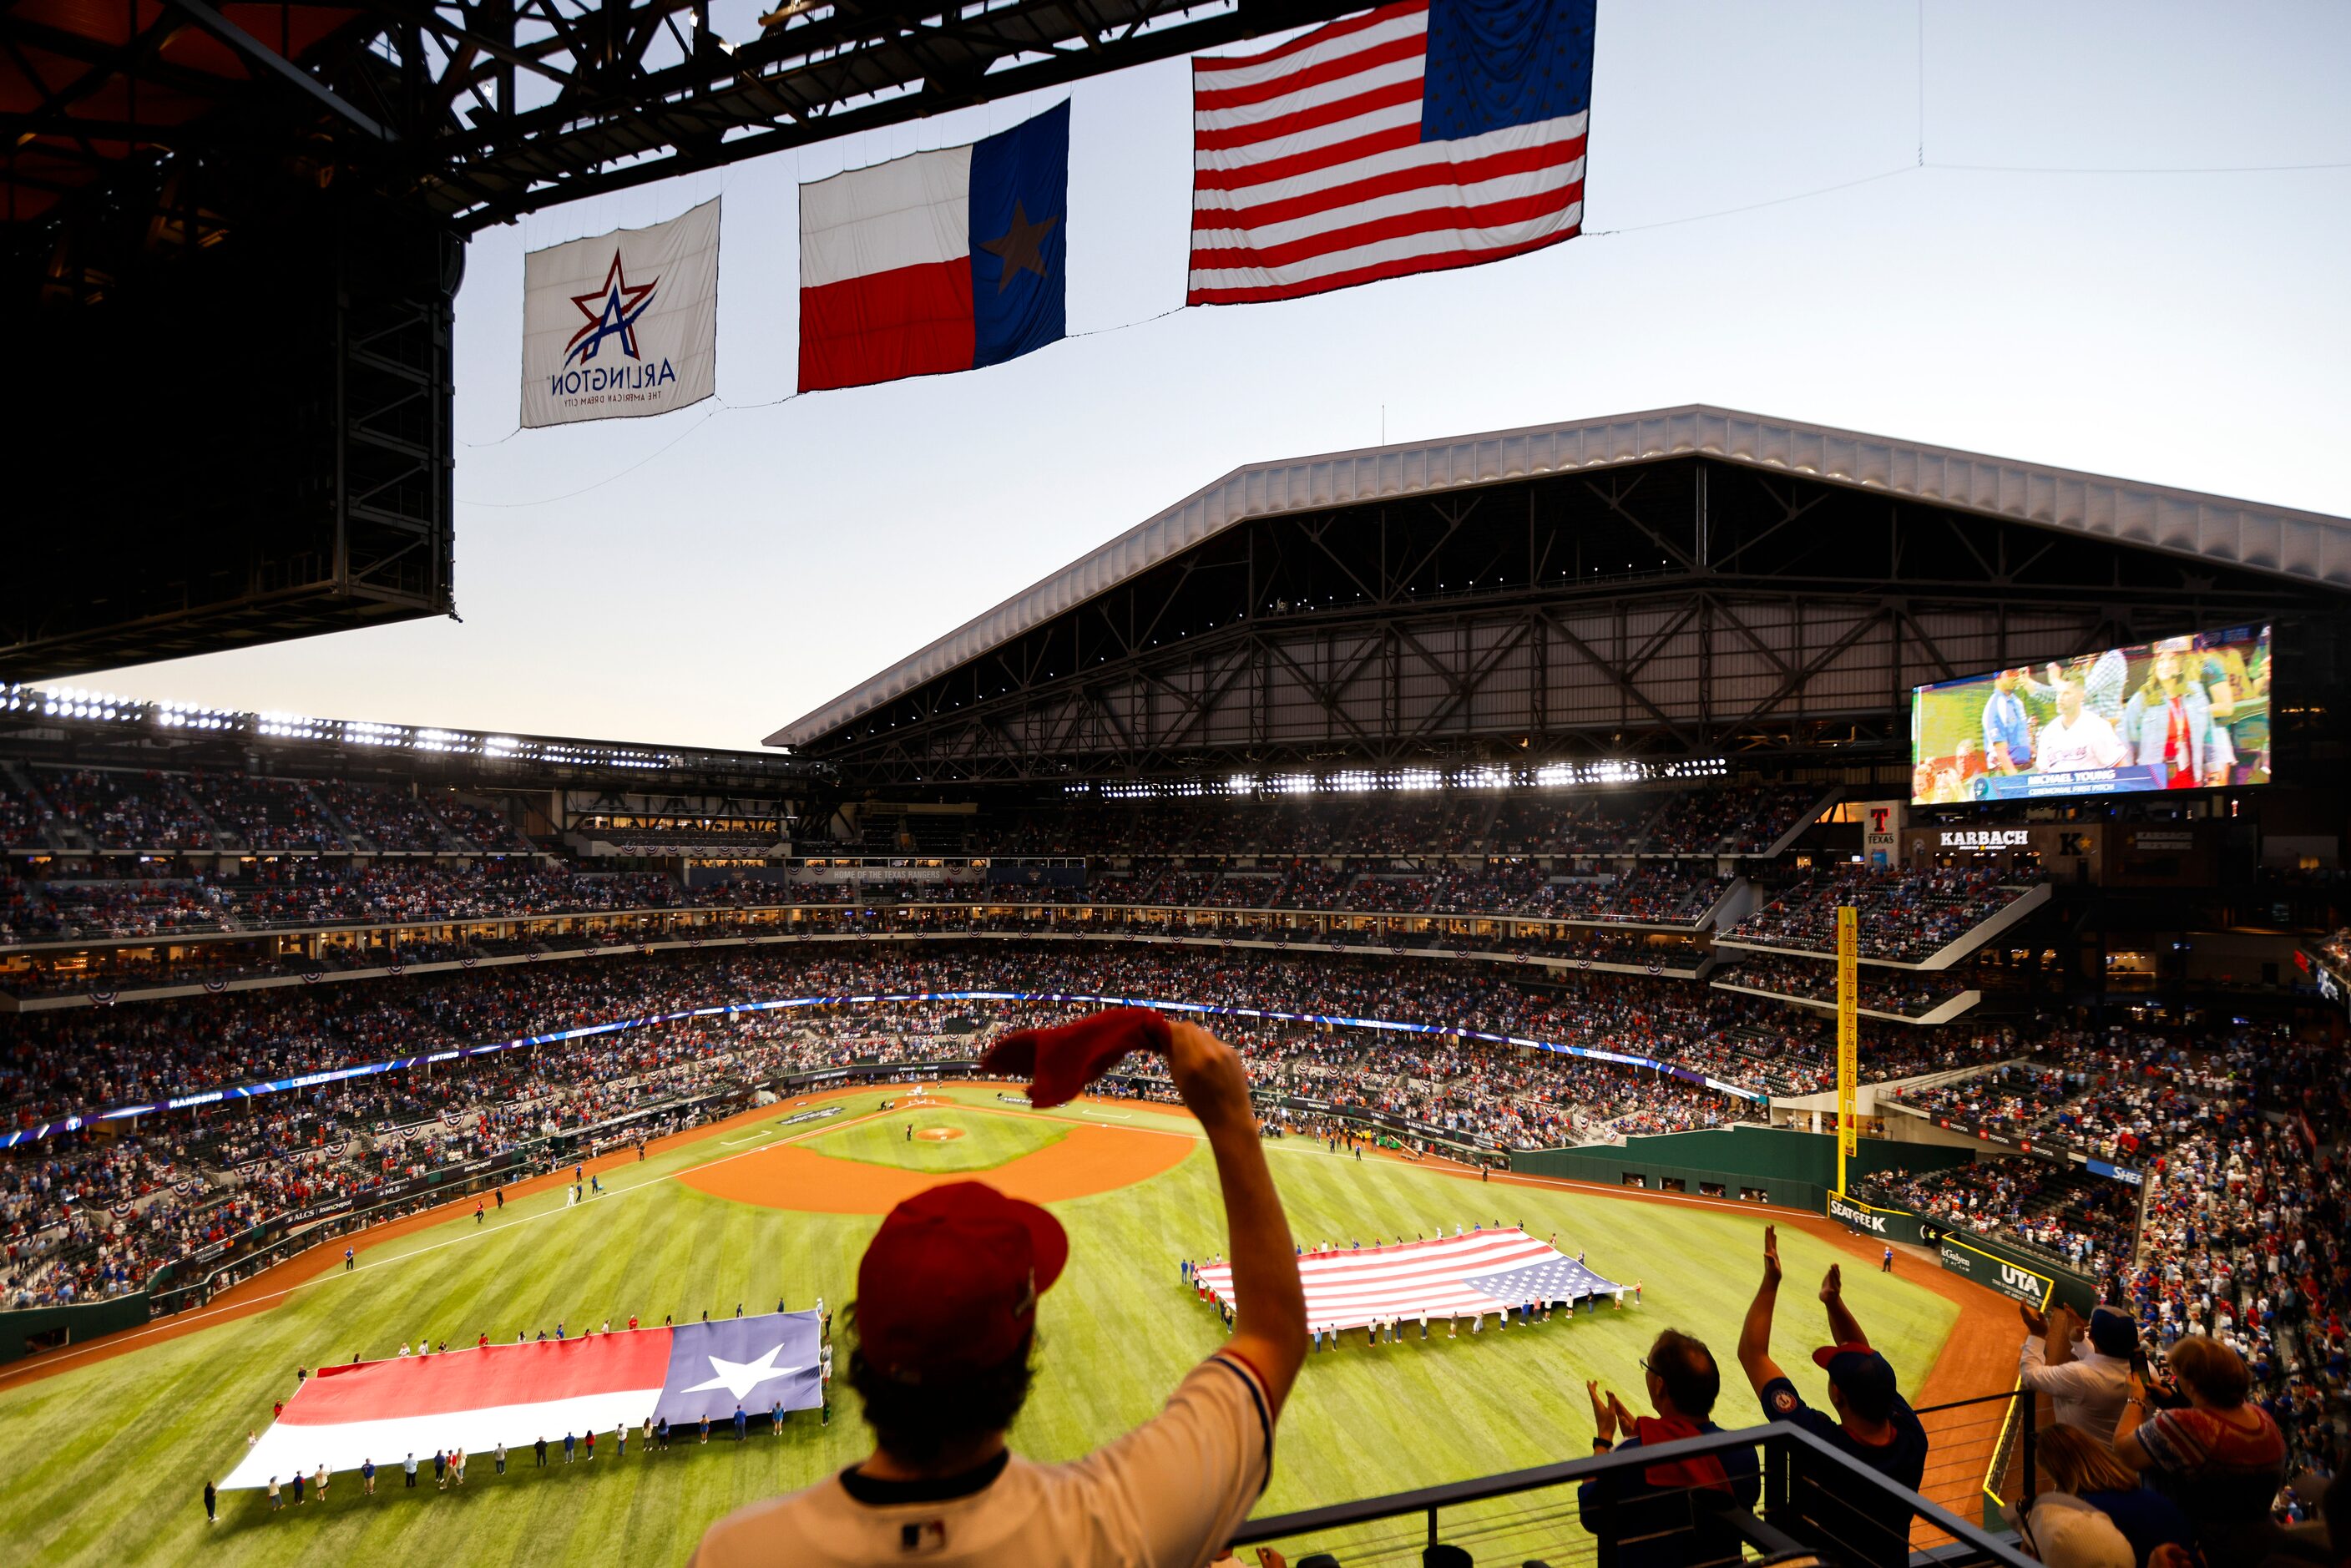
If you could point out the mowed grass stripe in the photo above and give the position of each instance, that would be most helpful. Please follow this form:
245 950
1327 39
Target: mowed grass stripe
110 1456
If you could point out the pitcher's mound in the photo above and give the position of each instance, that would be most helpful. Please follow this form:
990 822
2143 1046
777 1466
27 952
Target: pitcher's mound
1089 1160
938 1135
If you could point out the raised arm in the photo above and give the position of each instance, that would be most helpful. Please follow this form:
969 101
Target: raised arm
1269 1300
1842 1329
1755 1334
2127 1448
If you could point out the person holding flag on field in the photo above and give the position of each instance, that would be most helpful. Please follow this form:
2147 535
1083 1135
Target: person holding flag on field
945 1322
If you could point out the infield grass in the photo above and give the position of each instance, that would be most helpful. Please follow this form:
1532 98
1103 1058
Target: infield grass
978 1140
108 1461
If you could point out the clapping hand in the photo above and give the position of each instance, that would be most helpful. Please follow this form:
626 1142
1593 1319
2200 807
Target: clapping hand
1603 1413
1771 1255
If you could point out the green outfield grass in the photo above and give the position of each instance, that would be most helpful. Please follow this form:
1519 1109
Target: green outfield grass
106 1462
982 1142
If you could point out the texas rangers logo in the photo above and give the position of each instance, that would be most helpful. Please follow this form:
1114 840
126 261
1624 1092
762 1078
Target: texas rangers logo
613 312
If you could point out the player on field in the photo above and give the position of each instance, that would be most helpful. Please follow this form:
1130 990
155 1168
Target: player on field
945 1322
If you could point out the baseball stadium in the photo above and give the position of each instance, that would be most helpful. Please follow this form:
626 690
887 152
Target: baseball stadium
1814 955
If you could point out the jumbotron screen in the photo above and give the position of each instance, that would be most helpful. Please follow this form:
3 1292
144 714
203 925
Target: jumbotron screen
2185 713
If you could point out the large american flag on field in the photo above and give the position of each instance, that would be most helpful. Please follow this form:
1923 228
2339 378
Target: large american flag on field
1452 1276
1423 135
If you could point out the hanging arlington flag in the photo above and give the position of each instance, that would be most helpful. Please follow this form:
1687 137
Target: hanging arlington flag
941 261
517 1394
622 325
1424 135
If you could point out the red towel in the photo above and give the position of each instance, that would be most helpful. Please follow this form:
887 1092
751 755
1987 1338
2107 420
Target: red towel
1061 1061
1704 1470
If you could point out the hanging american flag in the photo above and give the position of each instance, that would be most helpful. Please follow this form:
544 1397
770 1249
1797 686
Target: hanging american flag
1424 135
1453 1276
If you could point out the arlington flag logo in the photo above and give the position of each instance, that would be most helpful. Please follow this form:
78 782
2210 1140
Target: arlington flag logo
621 325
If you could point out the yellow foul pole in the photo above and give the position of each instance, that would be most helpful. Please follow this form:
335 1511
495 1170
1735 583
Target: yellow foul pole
1848 1035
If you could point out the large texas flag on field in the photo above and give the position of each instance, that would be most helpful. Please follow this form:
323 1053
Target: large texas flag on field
1452 1276
517 1393
940 261
1425 134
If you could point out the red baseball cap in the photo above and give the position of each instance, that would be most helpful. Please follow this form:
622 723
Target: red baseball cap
1856 1367
948 1286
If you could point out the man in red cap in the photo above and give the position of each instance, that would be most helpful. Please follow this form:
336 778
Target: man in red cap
1872 1425
945 1328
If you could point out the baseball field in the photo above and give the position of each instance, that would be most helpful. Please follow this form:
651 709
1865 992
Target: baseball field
110 1445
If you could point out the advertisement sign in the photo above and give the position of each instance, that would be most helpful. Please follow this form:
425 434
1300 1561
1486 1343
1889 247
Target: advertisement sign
1881 830
1886 1224
2013 1281
2185 713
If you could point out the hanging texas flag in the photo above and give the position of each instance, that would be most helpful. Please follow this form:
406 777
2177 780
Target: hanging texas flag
1423 135
621 325
941 261
1453 1276
517 1394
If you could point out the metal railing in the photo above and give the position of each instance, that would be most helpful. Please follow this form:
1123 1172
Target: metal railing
1981 1462
1809 1499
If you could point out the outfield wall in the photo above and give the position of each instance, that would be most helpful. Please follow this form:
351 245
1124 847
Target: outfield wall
2017 1272
38 1329
1761 1164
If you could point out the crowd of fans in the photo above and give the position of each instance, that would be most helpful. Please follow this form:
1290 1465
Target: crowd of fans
1905 917
156 812
180 1183
114 810
1733 820
2120 1096
310 891
1908 993
54 1063
2089 1221
2246 1228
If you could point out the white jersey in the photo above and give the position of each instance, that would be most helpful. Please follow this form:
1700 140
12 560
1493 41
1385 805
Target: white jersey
1166 1495
2087 743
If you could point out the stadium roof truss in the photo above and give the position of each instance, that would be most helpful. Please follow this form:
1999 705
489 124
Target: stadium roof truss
1683 583
475 112
75 725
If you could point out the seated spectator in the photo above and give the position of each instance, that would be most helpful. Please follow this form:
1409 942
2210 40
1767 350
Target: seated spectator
1872 1425
2082 1474
1668 1514
945 1322
2221 1459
